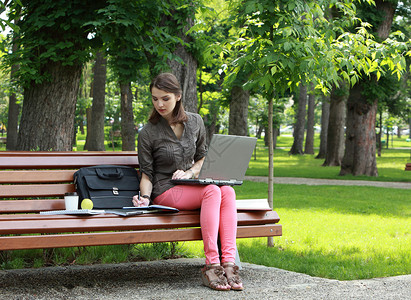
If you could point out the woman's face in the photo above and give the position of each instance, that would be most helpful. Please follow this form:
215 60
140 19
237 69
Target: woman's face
164 102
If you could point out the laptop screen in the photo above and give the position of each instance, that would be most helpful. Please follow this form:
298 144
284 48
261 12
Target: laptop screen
228 157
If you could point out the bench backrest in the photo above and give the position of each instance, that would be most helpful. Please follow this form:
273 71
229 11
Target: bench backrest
37 181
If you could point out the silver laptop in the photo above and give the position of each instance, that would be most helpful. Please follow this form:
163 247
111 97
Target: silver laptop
226 161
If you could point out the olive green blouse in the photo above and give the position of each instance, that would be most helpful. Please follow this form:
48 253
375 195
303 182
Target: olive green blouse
161 153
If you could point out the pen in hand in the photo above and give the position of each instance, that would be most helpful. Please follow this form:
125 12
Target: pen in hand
139 199
136 200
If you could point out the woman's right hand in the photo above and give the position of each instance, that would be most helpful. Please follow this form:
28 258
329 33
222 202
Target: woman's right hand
140 201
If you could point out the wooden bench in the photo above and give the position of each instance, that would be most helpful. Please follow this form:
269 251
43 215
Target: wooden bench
31 182
408 167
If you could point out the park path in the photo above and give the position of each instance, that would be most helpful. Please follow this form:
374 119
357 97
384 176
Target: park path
180 279
313 181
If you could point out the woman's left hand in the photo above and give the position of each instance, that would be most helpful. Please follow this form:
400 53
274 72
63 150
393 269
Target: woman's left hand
180 174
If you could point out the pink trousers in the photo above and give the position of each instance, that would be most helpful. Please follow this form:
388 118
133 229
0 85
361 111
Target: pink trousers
218 216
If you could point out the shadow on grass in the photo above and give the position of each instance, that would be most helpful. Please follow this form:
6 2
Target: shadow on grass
347 263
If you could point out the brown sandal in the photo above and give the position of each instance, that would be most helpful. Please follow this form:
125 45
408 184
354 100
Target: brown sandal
233 278
213 277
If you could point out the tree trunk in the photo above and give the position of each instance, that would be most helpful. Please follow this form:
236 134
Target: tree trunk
270 240
47 119
325 116
360 142
187 73
387 133
211 119
238 111
127 118
409 127
388 8
187 76
95 132
335 137
297 147
379 136
260 131
14 110
88 121
309 139
81 124
276 132
266 136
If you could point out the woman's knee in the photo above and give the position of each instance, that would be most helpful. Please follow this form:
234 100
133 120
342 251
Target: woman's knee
212 189
228 192
212 192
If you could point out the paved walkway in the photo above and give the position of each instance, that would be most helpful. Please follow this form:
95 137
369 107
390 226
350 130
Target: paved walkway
180 279
311 181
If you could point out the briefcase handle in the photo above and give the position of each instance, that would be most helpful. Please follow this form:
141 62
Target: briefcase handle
113 173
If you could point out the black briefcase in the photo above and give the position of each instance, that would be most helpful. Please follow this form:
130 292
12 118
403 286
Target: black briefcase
108 186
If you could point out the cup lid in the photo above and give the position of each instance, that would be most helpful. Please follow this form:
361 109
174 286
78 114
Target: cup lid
70 194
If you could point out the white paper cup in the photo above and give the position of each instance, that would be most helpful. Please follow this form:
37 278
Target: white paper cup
71 201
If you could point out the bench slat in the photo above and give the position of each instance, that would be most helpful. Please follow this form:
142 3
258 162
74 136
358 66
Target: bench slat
30 206
47 224
67 153
243 217
130 237
64 162
90 223
36 190
37 176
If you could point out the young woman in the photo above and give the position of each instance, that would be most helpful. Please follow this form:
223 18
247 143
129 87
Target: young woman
172 146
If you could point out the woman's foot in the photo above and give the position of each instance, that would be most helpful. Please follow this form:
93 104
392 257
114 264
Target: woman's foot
233 278
213 277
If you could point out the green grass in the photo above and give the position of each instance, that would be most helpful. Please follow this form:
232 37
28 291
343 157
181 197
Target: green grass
390 165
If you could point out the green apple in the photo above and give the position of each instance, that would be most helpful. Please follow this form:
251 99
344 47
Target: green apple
86 204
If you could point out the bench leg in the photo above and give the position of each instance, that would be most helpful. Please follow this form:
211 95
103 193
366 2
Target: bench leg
237 258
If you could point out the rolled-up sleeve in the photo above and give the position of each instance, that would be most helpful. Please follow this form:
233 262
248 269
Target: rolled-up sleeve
145 157
201 143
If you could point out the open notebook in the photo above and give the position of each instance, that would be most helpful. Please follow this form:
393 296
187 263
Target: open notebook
132 210
125 211
73 212
226 161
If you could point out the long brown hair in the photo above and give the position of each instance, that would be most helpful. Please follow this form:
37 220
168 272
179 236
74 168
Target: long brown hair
168 82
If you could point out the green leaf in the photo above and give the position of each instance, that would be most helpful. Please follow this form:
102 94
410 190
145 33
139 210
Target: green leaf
353 80
287 46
